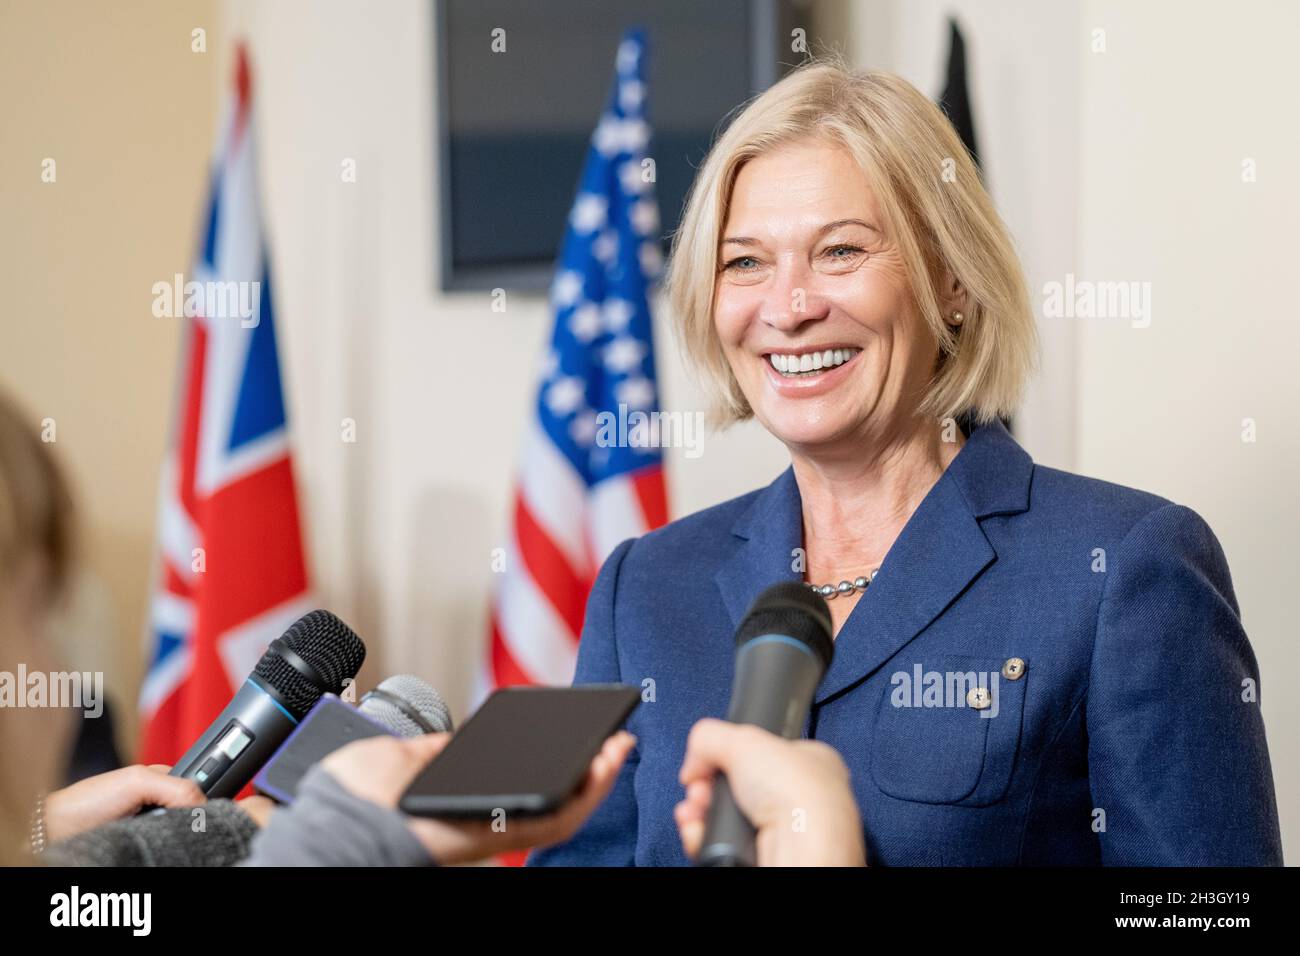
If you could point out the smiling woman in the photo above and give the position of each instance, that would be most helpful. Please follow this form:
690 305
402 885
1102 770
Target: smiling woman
811 307
841 276
877 190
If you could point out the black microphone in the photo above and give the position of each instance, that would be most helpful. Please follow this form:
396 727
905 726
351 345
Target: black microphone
783 647
317 655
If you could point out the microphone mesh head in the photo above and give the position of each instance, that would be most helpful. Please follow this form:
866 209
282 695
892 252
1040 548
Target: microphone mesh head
417 695
792 610
328 645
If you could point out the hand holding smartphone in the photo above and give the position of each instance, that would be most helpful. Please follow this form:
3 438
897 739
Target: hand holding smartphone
525 752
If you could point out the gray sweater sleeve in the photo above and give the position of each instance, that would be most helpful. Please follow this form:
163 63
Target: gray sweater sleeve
329 826
216 834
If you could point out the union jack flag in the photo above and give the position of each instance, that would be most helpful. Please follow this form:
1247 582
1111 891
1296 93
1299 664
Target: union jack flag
579 493
231 574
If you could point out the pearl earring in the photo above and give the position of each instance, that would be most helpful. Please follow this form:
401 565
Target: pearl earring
957 318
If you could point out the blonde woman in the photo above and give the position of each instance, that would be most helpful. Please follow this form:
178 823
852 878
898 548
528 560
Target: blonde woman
999 695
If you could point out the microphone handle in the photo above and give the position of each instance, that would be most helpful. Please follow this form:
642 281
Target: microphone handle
729 838
781 665
234 747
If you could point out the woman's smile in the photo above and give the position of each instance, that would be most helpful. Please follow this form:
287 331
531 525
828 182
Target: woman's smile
805 372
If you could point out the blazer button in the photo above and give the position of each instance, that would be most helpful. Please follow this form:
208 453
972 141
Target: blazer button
979 698
1013 669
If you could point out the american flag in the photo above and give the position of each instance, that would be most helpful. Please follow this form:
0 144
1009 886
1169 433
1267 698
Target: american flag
230 569
580 494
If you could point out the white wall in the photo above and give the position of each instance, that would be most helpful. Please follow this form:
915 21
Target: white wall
1170 110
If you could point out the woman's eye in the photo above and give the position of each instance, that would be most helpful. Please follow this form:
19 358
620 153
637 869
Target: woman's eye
842 252
742 264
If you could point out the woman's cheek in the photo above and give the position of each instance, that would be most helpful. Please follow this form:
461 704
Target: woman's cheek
727 320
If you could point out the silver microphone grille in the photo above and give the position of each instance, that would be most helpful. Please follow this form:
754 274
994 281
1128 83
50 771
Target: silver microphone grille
393 700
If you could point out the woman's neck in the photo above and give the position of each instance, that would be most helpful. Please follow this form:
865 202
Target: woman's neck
856 501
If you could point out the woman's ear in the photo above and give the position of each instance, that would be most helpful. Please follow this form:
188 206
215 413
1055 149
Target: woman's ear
953 300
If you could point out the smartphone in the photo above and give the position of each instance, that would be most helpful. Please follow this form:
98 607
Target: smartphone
329 725
525 752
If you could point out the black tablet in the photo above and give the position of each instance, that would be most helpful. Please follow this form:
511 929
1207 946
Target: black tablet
525 752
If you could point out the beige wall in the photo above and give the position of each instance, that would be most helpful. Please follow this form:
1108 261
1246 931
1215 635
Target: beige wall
111 93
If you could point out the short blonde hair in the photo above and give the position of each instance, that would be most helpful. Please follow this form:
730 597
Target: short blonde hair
936 210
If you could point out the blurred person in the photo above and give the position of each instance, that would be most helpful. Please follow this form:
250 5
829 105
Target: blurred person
36 549
1031 667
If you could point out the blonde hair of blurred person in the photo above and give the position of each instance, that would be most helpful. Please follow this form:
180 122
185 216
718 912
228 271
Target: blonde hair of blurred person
35 555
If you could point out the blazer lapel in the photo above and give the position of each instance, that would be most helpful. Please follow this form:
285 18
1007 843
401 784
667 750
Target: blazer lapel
939 552
772 528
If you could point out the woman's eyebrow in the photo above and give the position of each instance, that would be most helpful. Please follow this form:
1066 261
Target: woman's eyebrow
829 227
847 222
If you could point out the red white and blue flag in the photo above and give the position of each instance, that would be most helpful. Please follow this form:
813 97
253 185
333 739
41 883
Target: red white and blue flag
580 494
231 575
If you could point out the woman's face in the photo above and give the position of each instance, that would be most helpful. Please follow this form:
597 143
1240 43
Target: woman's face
812 301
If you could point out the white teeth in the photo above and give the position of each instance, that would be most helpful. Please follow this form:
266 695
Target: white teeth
809 361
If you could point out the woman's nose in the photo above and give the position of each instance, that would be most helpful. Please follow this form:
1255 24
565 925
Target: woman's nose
791 299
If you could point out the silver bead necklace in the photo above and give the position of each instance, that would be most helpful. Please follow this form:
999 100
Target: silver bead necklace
845 588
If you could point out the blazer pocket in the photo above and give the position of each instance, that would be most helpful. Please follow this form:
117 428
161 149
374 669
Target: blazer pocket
941 746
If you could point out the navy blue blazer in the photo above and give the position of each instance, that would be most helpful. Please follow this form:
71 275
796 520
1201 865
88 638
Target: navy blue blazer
1129 734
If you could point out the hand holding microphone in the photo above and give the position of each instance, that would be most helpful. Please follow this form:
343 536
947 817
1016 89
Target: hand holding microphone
91 822
120 793
783 647
774 782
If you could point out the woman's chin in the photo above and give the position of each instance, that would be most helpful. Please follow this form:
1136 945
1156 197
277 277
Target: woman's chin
805 429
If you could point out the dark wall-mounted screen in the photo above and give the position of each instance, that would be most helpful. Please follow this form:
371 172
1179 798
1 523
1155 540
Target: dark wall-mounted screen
514 126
